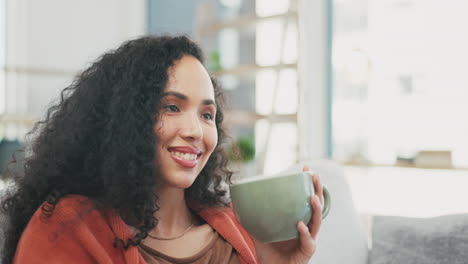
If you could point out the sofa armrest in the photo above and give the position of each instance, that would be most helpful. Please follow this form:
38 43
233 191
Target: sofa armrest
342 238
441 240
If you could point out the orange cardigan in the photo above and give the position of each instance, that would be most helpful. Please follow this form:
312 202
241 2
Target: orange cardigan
78 233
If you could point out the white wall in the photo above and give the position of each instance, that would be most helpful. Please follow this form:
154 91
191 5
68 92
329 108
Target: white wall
49 41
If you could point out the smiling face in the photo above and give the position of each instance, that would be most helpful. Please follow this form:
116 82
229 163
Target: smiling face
186 129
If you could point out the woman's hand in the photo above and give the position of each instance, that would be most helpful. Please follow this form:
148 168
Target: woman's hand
296 251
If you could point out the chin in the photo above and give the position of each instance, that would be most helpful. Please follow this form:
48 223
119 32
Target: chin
182 180
185 185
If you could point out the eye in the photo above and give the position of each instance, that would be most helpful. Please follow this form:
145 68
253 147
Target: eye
172 108
208 116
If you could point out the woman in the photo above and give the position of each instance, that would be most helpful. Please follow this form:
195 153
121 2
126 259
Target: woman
128 168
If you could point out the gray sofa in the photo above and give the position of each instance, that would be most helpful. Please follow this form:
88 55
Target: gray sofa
349 238
2 222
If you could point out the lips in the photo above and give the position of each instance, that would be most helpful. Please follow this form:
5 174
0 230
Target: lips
183 155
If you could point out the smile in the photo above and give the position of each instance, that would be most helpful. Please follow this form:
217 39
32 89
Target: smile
187 157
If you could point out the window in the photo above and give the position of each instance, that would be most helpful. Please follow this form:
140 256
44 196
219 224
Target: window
2 55
400 80
256 45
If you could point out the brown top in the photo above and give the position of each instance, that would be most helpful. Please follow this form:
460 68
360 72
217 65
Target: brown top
217 251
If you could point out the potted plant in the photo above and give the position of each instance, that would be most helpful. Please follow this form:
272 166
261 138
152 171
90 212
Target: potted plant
242 154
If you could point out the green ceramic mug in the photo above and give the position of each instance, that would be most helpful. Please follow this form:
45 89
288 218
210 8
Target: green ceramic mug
270 207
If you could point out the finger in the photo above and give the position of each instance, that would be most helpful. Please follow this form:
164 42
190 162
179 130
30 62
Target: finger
307 243
316 221
318 187
306 168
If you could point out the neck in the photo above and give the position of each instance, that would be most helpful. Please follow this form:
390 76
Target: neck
174 216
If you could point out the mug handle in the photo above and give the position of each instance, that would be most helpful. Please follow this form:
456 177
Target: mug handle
326 202
326 198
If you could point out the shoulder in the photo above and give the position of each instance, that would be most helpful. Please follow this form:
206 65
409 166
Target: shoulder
72 205
74 228
52 224
71 210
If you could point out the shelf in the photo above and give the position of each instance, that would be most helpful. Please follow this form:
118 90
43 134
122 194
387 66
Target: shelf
19 119
240 22
38 71
244 69
232 117
373 165
243 117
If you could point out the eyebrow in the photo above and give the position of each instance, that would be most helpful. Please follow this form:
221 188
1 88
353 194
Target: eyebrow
185 98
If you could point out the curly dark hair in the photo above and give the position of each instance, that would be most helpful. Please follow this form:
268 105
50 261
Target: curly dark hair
98 141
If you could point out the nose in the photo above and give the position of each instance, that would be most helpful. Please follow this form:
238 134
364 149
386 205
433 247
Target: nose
191 127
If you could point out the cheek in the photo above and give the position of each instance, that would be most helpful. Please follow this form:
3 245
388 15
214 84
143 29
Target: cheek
211 138
162 134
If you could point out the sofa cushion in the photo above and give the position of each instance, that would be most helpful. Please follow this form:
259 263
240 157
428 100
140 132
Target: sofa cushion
3 220
439 240
342 238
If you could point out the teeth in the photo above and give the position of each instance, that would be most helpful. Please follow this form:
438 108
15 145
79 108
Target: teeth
185 156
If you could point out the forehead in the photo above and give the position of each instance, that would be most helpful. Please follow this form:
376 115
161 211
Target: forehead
189 76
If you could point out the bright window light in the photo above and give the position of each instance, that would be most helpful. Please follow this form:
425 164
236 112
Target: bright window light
400 85
268 44
2 55
286 98
283 152
269 8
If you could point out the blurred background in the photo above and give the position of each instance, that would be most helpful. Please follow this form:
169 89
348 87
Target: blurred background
379 86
